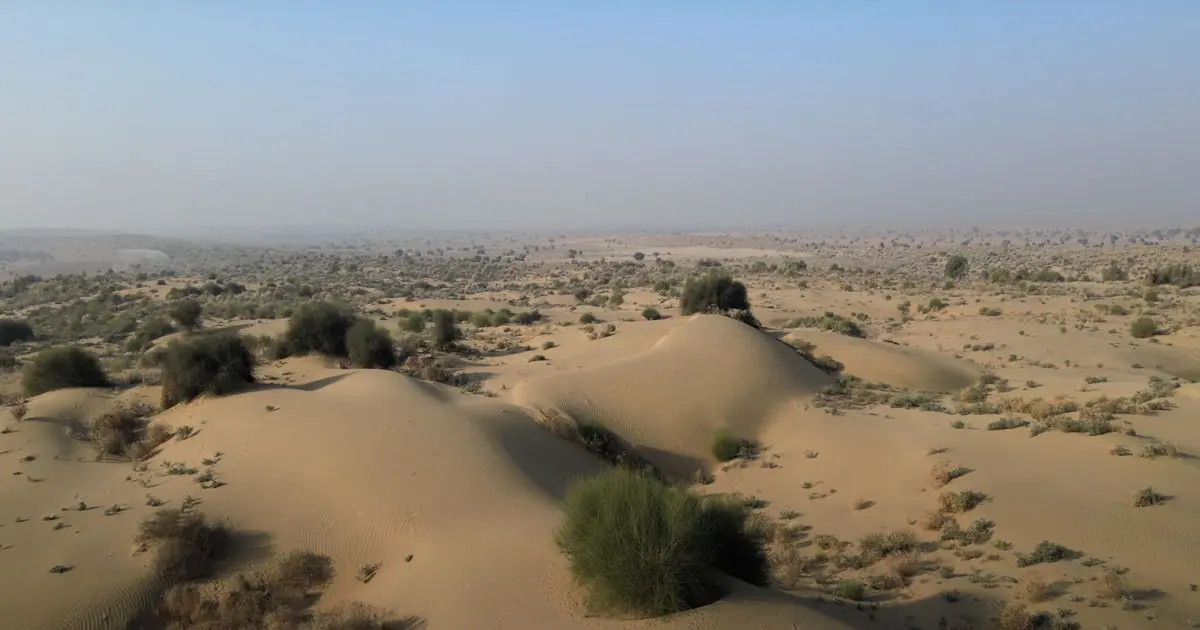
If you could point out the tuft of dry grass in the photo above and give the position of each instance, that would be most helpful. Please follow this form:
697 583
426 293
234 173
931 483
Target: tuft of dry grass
1035 588
1012 616
1112 586
944 472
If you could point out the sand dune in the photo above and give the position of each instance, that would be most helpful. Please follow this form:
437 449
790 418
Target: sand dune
455 497
898 366
707 372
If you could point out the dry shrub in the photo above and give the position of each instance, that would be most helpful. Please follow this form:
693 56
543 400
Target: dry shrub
356 616
1035 588
278 598
944 472
186 544
1010 616
934 521
1112 586
118 433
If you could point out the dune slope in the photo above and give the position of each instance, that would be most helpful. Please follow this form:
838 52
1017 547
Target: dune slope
708 372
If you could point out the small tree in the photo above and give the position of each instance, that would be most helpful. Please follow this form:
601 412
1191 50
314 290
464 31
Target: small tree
212 364
445 330
651 314
370 346
713 293
62 367
14 330
957 267
186 314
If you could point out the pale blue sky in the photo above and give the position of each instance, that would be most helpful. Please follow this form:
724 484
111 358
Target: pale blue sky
152 115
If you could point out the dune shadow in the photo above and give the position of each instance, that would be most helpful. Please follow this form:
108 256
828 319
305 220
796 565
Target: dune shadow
310 386
676 466
946 610
550 462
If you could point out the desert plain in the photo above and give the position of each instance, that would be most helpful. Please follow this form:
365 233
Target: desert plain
935 429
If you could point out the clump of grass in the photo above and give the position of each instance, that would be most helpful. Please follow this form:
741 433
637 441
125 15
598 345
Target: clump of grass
1046 552
726 446
1008 422
1147 496
186 543
961 501
1159 449
641 547
876 546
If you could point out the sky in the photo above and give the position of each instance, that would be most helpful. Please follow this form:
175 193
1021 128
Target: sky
150 116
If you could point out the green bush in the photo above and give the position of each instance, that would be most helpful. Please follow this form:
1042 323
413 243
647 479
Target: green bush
445 330
502 317
186 313
14 330
212 364
319 327
640 547
369 346
651 314
151 329
482 319
725 446
413 323
587 318
852 590
1143 327
528 317
62 367
713 293
957 267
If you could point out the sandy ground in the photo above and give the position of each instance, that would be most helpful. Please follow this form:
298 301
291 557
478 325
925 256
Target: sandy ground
456 496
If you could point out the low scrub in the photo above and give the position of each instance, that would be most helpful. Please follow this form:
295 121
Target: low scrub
210 364
640 547
14 330
1143 327
62 367
1046 552
726 446
831 322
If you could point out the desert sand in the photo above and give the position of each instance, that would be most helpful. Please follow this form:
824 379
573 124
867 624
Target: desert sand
453 493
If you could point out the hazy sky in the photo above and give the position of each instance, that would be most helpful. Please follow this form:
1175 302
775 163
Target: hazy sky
444 114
